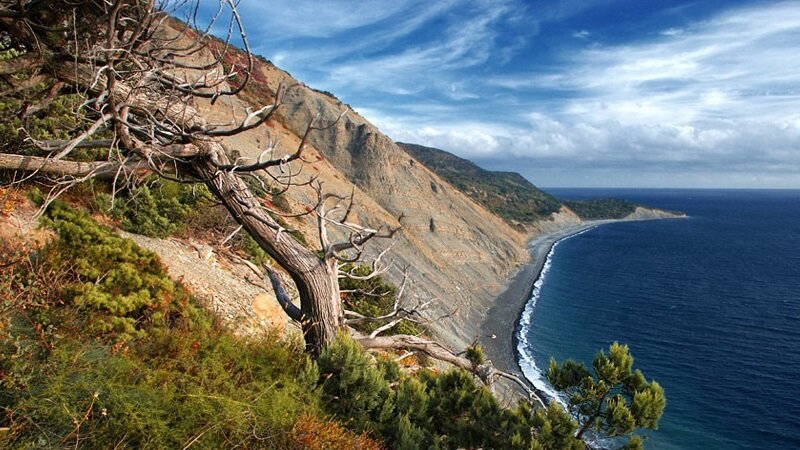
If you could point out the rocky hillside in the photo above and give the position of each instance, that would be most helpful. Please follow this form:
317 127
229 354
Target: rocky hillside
457 252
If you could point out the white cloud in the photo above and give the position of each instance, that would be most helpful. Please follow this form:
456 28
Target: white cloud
308 18
734 66
582 34
337 40
723 95
429 65
672 32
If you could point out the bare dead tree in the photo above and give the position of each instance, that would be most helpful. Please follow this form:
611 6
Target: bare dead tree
140 73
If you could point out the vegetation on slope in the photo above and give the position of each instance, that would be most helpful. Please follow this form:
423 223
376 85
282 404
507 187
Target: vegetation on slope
605 208
426 411
157 208
100 347
507 194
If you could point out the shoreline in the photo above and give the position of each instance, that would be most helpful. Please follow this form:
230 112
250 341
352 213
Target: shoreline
499 329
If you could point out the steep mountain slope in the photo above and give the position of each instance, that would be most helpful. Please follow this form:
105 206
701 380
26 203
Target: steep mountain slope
456 252
507 194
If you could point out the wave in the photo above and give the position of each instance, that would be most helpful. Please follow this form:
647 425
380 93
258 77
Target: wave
524 355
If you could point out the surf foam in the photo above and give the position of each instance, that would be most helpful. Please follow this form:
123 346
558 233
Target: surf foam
524 356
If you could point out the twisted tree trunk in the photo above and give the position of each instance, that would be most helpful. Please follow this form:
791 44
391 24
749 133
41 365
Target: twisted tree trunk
316 279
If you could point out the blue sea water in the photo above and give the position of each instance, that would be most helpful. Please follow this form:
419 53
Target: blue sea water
709 305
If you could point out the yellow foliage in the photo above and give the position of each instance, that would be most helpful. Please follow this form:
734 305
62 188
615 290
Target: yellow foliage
9 199
312 433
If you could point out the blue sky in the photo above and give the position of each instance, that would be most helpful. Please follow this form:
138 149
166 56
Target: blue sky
568 93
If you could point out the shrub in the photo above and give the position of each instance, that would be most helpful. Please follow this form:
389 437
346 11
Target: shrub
475 355
158 208
555 429
202 387
183 381
56 121
122 287
430 410
355 389
612 398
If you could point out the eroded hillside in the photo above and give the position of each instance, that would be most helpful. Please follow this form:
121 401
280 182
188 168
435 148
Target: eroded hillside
456 252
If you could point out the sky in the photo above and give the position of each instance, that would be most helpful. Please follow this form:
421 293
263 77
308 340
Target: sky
572 93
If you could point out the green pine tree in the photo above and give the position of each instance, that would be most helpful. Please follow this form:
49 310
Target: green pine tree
613 399
409 437
554 429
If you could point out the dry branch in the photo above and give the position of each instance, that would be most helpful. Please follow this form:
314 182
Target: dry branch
486 371
99 169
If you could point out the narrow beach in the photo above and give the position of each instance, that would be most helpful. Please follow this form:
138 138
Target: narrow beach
500 325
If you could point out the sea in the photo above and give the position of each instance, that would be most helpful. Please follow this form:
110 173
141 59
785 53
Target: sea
709 306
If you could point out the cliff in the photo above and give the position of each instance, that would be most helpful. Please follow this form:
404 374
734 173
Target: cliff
457 253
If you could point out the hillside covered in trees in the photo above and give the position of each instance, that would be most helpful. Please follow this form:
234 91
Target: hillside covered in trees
509 194
606 208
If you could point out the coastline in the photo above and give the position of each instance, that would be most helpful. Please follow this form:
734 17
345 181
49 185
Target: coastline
498 331
499 328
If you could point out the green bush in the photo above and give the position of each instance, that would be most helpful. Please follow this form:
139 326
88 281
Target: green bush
57 120
356 389
122 287
182 379
430 410
612 398
256 254
555 430
201 384
157 208
475 355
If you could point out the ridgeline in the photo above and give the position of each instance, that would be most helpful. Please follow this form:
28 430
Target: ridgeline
508 194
